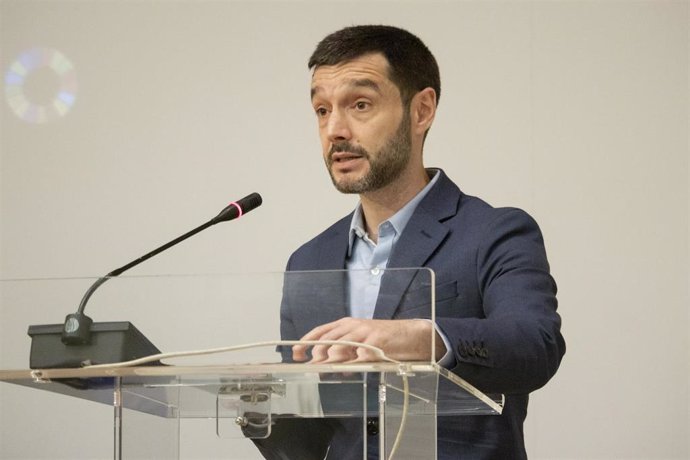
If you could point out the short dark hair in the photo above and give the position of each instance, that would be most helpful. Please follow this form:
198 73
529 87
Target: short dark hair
412 66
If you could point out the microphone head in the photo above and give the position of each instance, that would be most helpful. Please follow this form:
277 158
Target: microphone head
239 208
249 202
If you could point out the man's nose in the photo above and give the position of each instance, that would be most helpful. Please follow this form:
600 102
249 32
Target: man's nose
338 127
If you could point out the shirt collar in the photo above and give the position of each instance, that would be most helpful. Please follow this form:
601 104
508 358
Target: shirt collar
398 220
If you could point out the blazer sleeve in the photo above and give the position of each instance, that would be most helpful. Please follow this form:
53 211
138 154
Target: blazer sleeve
516 347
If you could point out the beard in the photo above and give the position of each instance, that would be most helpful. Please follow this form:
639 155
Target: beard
384 166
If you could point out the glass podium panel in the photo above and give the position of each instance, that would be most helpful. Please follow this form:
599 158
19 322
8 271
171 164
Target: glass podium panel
234 370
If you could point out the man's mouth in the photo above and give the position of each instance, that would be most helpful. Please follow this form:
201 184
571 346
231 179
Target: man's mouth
339 157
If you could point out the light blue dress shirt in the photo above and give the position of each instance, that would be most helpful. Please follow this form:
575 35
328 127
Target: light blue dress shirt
367 260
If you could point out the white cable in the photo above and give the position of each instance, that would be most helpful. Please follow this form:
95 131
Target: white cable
157 357
403 418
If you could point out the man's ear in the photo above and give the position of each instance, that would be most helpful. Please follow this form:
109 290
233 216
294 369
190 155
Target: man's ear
423 110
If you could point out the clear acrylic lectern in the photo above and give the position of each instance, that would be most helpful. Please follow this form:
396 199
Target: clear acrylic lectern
233 365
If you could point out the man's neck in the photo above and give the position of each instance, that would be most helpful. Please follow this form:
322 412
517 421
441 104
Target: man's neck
380 205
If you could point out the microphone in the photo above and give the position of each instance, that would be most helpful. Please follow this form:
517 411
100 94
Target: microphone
238 208
77 327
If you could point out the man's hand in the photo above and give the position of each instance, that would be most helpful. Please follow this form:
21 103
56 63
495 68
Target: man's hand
402 340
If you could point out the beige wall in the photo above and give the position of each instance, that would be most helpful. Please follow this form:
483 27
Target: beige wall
576 111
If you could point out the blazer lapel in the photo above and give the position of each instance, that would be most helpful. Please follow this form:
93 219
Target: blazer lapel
333 250
333 281
421 238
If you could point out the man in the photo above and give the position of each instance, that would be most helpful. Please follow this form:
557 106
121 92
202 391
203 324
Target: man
375 90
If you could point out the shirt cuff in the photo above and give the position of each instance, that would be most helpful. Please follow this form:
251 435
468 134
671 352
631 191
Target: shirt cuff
447 360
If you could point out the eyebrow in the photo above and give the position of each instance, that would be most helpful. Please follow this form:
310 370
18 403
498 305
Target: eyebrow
357 83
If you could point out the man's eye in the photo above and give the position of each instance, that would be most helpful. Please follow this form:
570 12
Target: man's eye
321 112
361 105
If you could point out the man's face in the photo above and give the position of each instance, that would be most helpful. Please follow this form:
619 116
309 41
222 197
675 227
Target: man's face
364 130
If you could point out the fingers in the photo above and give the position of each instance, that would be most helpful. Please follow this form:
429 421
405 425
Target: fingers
405 340
299 352
343 329
333 354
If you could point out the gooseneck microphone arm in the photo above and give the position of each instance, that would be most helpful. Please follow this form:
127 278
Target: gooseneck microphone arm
134 263
77 328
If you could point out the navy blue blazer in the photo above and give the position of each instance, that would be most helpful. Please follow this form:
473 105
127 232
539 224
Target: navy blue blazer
495 303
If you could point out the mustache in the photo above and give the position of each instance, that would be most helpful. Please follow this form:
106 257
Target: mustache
347 147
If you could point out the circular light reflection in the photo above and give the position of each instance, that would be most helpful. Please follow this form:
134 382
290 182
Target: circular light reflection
21 70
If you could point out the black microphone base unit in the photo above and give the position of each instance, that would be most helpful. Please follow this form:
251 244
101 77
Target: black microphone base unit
111 342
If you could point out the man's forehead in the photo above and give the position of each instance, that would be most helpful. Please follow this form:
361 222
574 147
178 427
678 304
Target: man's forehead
351 84
370 71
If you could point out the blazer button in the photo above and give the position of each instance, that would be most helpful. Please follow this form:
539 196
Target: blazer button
372 427
462 350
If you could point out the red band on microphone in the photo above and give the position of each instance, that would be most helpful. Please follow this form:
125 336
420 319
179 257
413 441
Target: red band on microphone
239 208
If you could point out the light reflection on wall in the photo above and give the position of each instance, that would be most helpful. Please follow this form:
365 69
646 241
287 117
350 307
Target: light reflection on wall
41 85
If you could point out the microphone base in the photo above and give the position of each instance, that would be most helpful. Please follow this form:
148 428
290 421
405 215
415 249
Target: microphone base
111 342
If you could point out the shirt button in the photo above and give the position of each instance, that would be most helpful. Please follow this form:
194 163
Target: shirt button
372 427
375 271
